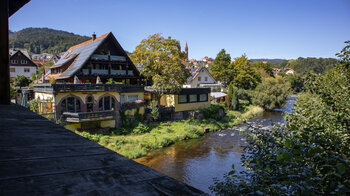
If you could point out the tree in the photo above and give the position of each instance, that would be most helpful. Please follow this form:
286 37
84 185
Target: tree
283 64
161 59
40 71
21 81
296 82
271 93
244 74
232 97
317 65
265 69
221 68
310 155
13 92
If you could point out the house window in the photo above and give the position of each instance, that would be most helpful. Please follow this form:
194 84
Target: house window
106 103
193 98
199 78
23 61
132 98
14 61
71 104
206 79
90 104
12 70
26 70
203 97
122 99
182 98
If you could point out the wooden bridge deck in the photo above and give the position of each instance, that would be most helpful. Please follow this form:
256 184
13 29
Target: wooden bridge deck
39 157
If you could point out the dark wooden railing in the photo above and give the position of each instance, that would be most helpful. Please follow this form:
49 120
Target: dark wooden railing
88 116
61 88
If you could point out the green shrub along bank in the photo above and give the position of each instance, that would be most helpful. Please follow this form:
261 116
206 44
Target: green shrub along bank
310 154
136 141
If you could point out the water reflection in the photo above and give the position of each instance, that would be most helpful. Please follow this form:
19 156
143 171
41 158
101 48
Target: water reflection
198 161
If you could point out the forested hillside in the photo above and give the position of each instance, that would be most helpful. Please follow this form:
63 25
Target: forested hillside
317 65
300 65
274 61
40 40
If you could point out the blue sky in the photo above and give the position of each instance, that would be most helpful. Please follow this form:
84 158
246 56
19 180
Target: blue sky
258 28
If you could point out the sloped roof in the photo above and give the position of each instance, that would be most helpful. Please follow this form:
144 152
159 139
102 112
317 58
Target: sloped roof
195 72
81 53
13 52
217 94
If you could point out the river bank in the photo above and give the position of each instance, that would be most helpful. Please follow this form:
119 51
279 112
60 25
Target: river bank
146 138
197 161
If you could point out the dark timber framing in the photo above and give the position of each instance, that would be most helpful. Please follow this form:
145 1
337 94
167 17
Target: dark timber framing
4 53
7 9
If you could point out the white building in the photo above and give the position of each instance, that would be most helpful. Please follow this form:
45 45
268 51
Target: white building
200 77
21 64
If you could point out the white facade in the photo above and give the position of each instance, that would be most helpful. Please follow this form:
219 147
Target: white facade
22 70
203 77
290 72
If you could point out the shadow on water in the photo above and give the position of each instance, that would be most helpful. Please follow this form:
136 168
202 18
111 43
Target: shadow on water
197 161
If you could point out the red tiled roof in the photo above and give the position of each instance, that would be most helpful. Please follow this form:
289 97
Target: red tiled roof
87 42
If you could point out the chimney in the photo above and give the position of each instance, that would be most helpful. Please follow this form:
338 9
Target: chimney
93 36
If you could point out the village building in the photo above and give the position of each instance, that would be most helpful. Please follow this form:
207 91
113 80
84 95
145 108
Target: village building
179 105
90 102
21 64
218 97
201 78
101 57
54 58
95 83
289 71
276 71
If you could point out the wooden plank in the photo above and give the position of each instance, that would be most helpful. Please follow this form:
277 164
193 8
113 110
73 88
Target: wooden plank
38 157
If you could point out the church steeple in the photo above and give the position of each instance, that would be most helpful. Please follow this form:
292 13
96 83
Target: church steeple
186 51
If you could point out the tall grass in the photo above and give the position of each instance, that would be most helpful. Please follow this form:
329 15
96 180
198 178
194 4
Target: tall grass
137 141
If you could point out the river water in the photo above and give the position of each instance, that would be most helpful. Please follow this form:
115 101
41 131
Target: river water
197 161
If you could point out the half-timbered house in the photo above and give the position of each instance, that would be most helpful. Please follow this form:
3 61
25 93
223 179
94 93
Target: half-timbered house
101 57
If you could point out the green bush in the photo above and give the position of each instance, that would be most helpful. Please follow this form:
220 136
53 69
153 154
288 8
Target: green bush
310 155
21 81
232 97
140 129
212 112
271 93
33 105
154 110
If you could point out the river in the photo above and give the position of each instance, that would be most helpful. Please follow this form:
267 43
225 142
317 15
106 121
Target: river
197 161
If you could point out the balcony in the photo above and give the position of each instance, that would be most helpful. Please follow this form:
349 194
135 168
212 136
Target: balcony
99 71
65 88
118 72
118 58
88 116
130 73
98 57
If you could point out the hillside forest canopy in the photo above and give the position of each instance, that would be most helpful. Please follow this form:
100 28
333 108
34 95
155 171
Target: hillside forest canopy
41 40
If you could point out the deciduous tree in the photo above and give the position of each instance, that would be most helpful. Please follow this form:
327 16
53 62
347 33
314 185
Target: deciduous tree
160 59
21 81
244 74
310 155
221 68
